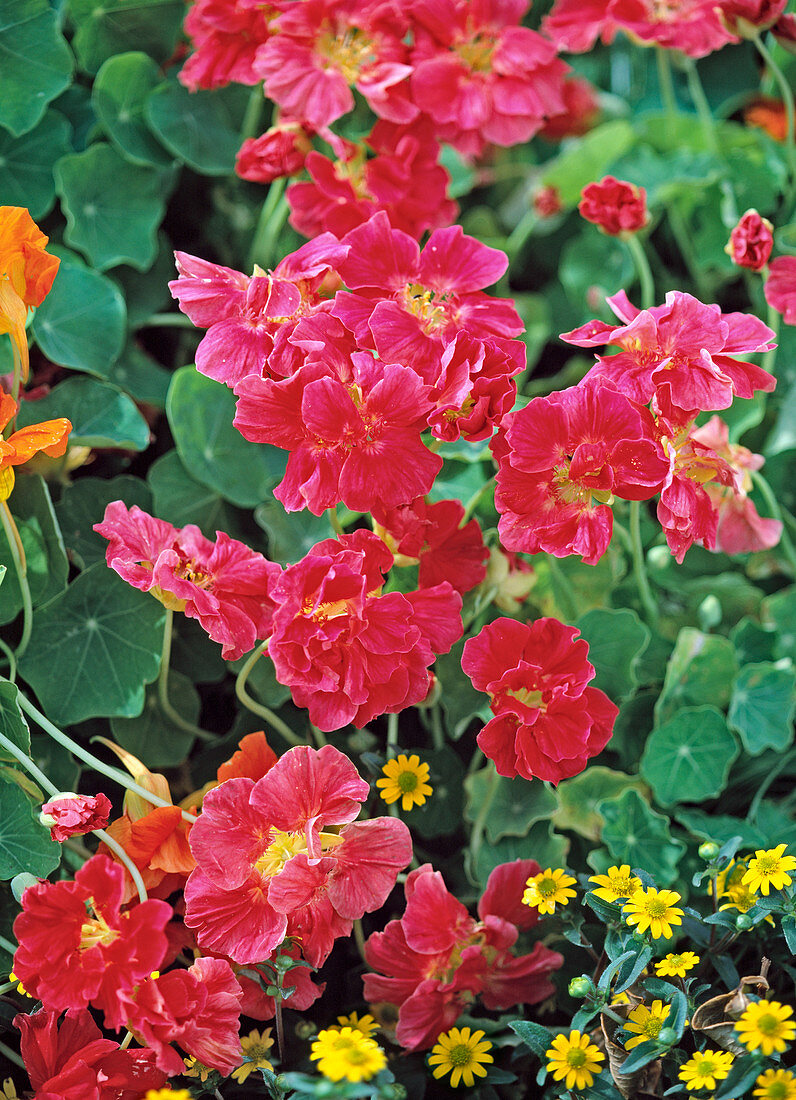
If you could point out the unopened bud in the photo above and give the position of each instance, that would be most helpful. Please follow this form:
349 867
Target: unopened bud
743 922
667 1036
580 987
709 850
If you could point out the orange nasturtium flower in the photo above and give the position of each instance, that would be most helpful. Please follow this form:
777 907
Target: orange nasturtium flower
50 436
26 274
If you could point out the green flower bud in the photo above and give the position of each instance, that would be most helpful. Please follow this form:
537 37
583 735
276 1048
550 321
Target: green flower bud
283 963
709 850
743 922
580 987
667 1036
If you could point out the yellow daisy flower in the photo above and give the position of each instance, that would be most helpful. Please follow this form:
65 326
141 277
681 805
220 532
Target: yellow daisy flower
730 885
646 1023
676 966
405 778
654 910
548 889
704 1070
9 1090
367 1025
770 868
776 1084
574 1060
616 883
194 1068
20 987
347 1054
460 1053
167 1094
767 1026
255 1048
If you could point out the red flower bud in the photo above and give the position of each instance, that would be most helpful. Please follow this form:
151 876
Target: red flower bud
616 206
751 241
547 202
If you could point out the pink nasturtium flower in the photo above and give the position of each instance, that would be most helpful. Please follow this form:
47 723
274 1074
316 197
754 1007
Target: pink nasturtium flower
780 287
225 585
548 722
75 814
280 151
437 958
226 35
751 241
284 856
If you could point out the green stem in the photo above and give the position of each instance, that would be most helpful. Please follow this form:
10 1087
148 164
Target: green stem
6 987
11 1056
477 835
21 566
392 734
272 217
437 729
318 736
163 686
641 264
257 708
665 82
683 240
787 98
334 519
168 320
93 762
561 590
700 101
762 790
475 500
12 661
639 567
9 947
29 766
359 940
773 319
785 542
254 111
119 851
521 232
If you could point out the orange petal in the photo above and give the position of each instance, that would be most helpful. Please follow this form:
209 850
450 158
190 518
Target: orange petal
50 436
253 759
13 314
23 260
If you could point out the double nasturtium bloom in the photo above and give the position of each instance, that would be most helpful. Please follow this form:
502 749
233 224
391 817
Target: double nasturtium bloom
50 436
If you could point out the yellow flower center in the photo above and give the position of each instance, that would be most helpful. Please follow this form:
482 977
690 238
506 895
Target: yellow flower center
652 1027
768 1023
94 932
529 698
425 305
284 846
767 863
705 1068
407 781
621 885
778 1090
348 53
477 53
576 1057
656 908
460 1055
335 609
547 887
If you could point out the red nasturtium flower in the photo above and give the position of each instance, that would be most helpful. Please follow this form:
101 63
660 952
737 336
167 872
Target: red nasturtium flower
226 35
346 652
74 1061
50 436
780 288
225 585
284 856
748 18
437 958
751 241
548 722
75 814
280 151
69 956
619 208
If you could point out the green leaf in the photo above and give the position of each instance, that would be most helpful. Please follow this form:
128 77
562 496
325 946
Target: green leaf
151 736
202 128
81 323
701 669
548 848
762 707
460 701
579 797
780 611
587 159
113 208
111 27
35 62
535 1036
180 499
200 413
25 843
752 642
83 504
143 378
593 264
147 292
26 164
94 648
120 91
13 724
47 567
688 758
636 835
101 415
442 812
55 761
617 639
290 534
516 805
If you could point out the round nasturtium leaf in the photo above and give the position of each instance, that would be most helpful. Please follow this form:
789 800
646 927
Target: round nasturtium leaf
689 758
635 834
81 322
119 94
25 844
762 707
201 128
101 415
616 639
35 62
26 164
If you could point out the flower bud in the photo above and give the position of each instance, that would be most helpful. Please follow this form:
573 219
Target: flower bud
747 18
709 850
667 1036
619 208
283 963
547 202
581 987
743 922
751 241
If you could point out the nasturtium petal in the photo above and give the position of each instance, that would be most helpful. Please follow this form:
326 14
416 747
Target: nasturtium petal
94 648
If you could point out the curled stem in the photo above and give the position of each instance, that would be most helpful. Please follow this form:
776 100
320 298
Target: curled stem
93 762
281 727
124 858
787 99
641 264
21 566
639 568
12 661
163 687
